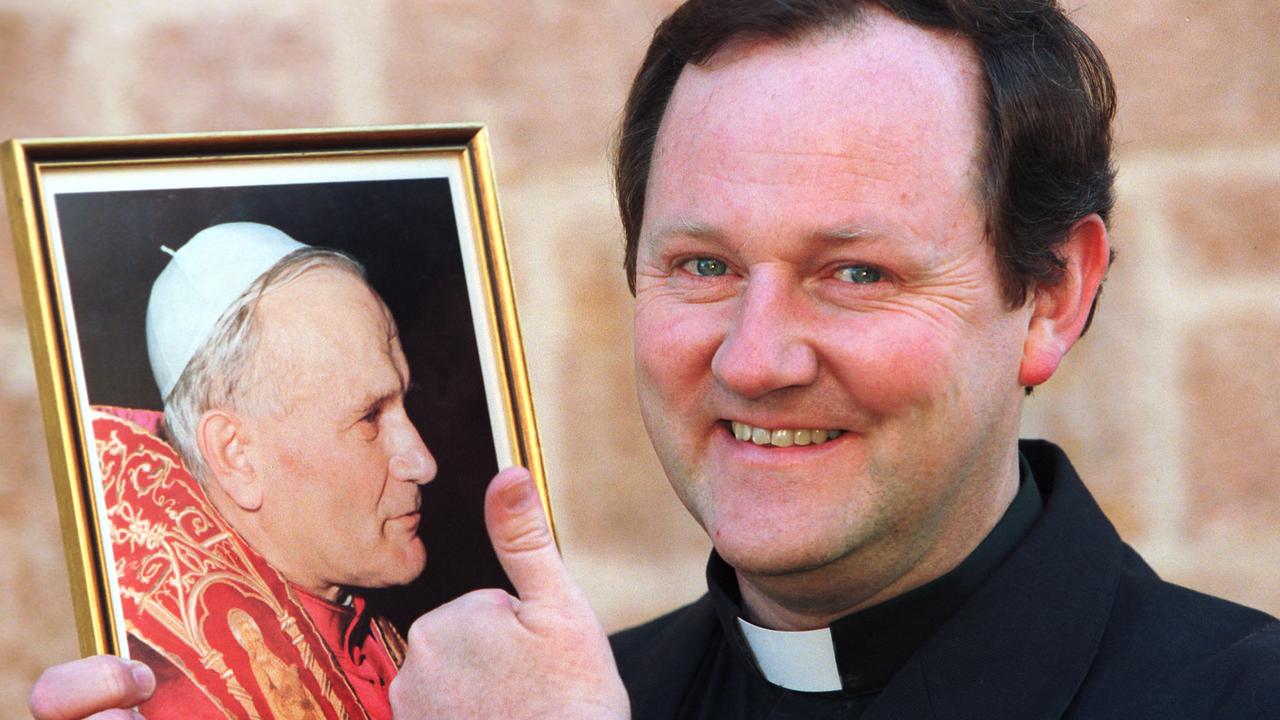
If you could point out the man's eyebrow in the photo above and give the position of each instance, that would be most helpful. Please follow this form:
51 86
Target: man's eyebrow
370 401
404 378
686 228
848 232
376 398
689 228
393 335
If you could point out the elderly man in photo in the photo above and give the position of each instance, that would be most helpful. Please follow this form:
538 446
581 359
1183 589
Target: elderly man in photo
858 232
283 381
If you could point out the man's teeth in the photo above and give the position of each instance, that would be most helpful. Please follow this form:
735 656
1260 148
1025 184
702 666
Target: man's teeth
781 438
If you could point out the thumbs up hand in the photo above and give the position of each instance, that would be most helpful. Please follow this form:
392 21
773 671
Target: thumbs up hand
487 654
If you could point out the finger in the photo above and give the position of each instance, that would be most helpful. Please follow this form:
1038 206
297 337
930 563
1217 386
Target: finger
521 538
116 714
83 687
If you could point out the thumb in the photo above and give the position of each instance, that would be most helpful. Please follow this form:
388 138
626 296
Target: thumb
521 537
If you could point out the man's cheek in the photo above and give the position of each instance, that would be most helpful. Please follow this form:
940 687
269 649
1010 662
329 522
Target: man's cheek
674 349
290 464
888 372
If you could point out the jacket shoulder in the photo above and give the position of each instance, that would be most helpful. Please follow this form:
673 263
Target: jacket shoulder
1162 650
1188 654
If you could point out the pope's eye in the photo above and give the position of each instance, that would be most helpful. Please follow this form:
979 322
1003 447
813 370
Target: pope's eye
705 266
860 274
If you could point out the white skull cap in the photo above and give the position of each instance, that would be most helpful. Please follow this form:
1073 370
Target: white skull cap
202 280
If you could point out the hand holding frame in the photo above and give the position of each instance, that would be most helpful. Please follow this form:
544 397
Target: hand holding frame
490 655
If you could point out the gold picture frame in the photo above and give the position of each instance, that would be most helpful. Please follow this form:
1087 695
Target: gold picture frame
89 214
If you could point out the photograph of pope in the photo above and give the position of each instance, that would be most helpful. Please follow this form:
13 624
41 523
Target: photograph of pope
283 381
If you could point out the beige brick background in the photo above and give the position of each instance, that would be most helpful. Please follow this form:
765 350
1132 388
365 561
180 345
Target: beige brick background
1171 407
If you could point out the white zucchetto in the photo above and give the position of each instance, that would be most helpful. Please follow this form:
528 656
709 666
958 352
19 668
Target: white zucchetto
203 279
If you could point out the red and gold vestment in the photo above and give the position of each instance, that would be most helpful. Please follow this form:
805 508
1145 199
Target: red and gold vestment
226 634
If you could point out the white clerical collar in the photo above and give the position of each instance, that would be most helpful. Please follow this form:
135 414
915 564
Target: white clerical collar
802 660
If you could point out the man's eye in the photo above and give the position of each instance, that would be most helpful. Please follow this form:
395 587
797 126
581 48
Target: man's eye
860 274
372 416
707 267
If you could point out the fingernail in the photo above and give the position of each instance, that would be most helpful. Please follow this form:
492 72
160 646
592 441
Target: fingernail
517 496
143 676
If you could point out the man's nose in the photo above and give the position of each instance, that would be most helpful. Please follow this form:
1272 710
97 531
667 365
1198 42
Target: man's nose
411 461
767 347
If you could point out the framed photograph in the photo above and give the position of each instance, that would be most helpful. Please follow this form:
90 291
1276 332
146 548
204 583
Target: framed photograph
277 372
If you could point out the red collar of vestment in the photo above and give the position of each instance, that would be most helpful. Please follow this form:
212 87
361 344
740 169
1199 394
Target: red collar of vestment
361 644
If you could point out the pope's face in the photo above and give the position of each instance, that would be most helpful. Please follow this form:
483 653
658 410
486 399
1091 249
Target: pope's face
340 462
824 360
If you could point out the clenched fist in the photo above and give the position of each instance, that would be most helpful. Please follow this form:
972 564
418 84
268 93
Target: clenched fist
542 655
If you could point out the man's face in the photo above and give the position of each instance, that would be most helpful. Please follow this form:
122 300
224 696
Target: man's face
341 463
813 257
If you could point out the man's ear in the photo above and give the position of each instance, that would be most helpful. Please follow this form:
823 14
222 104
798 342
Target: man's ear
1061 311
221 437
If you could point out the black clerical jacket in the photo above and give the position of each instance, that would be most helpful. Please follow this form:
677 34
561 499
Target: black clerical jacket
1072 624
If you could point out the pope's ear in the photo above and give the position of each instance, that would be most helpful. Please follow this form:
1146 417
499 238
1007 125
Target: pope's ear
1060 311
221 437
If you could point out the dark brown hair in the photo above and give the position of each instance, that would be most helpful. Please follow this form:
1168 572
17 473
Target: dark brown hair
1049 104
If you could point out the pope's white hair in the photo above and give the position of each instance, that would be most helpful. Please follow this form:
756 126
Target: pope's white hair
224 372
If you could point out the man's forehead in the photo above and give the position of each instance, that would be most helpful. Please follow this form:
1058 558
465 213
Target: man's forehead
326 313
822 135
323 295
796 94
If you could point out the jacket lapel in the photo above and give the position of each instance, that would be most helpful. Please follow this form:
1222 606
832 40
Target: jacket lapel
1021 646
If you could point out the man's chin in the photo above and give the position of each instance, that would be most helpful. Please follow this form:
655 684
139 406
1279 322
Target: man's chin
406 567
415 563
766 560
778 543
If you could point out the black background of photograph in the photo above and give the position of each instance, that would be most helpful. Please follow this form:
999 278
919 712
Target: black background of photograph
404 233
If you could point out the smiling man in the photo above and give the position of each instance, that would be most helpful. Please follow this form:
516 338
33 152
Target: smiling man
879 224
821 259
858 232
832 279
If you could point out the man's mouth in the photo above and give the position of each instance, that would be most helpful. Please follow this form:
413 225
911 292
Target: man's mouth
409 519
781 437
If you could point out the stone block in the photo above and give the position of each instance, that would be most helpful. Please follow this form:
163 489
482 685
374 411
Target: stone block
1232 424
1190 71
548 77
39 95
1228 224
246 71
1237 564
10 290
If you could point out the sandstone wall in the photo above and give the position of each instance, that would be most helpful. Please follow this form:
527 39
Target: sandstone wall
1171 407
